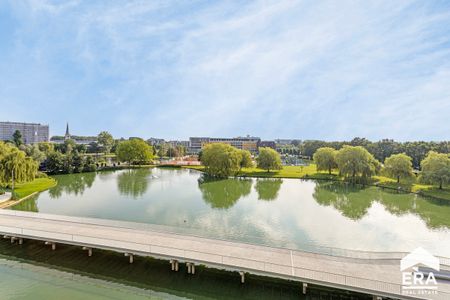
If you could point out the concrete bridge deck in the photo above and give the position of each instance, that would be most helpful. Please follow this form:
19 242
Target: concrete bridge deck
367 272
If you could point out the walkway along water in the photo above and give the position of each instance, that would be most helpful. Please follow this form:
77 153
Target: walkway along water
367 272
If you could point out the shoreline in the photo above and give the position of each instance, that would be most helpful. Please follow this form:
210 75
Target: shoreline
323 177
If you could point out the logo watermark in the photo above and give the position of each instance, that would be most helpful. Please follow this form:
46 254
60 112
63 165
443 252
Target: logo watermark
417 281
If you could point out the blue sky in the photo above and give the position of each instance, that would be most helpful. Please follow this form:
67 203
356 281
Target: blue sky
291 69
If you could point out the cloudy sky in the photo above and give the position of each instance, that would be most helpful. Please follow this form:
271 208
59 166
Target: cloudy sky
173 69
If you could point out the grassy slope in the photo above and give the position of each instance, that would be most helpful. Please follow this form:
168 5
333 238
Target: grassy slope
310 172
37 185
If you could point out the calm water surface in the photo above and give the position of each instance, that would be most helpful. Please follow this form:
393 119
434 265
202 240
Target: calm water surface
29 282
291 213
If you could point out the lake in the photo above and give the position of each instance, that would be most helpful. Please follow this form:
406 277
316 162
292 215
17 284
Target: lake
310 215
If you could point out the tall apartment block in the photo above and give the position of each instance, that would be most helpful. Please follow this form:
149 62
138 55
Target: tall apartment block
31 132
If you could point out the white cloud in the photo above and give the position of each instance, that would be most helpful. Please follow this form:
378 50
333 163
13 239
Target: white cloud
281 68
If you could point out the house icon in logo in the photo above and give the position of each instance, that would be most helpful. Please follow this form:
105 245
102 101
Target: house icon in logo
419 257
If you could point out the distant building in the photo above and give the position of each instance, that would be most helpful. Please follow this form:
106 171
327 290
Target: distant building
67 135
283 141
178 143
245 143
270 144
31 132
155 141
82 140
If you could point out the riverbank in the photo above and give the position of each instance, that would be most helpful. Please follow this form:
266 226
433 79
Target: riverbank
310 172
28 189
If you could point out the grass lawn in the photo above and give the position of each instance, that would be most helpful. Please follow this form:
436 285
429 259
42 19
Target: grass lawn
306 172
309 171
37 185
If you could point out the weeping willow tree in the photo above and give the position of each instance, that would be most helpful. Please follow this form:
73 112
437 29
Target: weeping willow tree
16 167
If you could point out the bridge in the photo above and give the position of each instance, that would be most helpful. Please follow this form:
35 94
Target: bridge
373 273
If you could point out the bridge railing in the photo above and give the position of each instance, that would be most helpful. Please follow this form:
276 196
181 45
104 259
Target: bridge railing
305 247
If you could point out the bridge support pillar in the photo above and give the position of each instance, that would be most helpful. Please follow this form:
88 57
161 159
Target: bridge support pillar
89 251
374 297
52 244
242 276
20 241
13 239
190 268
304 287
130 256
174 265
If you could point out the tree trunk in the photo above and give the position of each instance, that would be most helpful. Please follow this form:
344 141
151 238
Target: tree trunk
329 171
440 184
12 185
398 179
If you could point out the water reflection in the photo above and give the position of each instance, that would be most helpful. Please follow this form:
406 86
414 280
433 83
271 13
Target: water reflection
275 212
354 201
72 184
346 198
134 182
223 193
267 189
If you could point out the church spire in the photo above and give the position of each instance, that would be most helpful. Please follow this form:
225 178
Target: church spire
67 135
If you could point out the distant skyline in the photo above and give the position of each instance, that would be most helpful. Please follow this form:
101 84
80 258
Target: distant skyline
275 69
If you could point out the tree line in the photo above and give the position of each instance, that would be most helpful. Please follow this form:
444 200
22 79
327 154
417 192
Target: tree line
381 149
357 164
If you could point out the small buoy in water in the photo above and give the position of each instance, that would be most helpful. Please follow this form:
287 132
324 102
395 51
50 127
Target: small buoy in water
184 221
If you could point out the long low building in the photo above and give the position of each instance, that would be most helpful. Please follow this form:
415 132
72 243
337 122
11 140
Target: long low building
244 143
31 132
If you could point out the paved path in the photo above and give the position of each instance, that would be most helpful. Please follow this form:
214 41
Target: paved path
5 197
372 273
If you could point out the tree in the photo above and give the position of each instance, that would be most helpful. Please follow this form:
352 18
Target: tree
15 166
46 147
268 159
436 169
221 160
172 151
105 140
34 152
17 138
325 159
246 159
78 162
54 163
308 148
134 151
356 161
398 166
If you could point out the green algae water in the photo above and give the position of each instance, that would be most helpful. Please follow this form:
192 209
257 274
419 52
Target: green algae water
291 213
26 281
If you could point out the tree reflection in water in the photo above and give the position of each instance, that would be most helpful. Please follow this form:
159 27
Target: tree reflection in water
267 189
353 201
72 184
134 182
224 193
